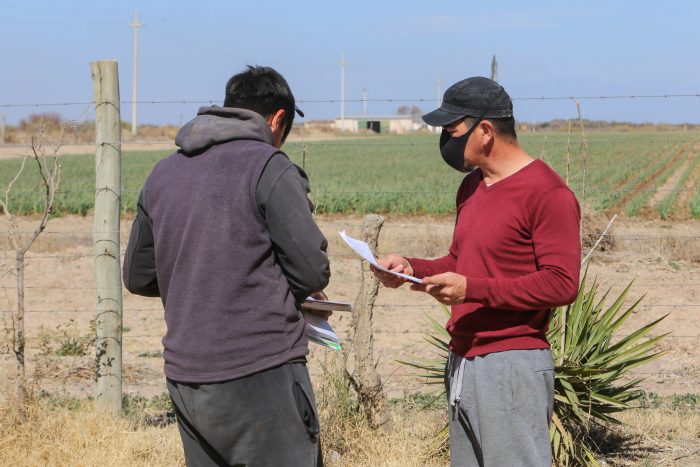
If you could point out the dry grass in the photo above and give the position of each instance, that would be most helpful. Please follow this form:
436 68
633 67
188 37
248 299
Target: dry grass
348 440
45 434
409 442
64 431
656 437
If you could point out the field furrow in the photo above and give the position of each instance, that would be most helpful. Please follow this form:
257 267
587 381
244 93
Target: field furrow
641 187
404 174
669 191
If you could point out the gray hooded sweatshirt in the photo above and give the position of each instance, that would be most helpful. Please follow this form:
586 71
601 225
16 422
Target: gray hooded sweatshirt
224 234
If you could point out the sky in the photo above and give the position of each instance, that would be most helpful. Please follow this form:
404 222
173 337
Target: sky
395 50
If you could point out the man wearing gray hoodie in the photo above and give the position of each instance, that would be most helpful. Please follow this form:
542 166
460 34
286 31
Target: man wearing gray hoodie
224 234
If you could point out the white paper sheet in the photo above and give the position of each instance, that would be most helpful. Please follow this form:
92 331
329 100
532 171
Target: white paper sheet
320 332
362 249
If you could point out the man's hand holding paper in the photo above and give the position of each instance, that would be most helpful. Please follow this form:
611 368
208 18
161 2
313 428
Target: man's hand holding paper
325 314
364 251
448 288
393 263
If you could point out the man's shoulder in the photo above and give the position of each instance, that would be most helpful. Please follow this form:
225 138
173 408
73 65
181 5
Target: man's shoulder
549 188
164 165
280 163
246 145
546 177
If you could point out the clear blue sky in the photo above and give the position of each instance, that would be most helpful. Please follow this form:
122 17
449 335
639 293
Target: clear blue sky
394 49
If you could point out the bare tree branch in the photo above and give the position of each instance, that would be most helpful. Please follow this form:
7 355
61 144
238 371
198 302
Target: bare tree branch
52 179
50 172
600 238
5 205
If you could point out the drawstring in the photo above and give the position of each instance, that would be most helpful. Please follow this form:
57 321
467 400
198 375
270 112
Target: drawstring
456 382
455 397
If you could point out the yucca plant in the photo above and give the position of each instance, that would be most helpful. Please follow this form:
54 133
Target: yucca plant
589 365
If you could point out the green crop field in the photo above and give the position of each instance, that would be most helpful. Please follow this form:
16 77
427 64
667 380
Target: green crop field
654 174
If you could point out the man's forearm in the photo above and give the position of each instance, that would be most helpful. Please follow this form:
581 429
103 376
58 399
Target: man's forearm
139 272
543 289
430 267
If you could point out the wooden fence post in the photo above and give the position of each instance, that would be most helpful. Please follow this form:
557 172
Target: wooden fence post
108 325
365 378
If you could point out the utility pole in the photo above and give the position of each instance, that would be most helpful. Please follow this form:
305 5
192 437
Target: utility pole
135 81
364 102
494 69
438 97
342 92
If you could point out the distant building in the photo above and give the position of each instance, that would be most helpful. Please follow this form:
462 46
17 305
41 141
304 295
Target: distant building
379 124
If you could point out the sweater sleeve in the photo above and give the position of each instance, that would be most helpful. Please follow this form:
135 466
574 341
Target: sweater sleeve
557 248
282 195
429 267
139 270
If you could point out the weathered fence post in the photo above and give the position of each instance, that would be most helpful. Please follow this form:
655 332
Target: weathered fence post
365 378
108 343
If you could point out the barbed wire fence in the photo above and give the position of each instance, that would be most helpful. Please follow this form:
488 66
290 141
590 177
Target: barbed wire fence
80 240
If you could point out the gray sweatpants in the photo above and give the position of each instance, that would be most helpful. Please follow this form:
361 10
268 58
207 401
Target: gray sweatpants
266 419
500 406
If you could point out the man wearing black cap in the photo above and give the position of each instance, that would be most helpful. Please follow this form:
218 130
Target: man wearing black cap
225 236
514 256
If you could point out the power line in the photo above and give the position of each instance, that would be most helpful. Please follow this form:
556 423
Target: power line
336 101
318 192
413 227
525 139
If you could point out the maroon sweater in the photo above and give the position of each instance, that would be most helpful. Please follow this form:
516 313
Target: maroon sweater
517 242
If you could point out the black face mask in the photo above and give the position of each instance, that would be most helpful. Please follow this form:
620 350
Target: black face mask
452 149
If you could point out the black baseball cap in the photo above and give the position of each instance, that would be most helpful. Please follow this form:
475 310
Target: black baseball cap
472 97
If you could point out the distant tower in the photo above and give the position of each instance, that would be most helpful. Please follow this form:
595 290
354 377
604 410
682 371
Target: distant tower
135 80
364 102
494 69
342 92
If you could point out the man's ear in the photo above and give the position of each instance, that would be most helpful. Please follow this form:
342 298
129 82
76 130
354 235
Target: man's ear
275 120
486 130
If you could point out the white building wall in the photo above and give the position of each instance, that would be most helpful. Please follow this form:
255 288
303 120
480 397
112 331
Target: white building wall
400 125
348 124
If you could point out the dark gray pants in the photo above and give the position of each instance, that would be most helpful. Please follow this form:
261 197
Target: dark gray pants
266 419
500 408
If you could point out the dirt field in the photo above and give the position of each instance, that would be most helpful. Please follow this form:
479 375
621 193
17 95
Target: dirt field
14 151
663 260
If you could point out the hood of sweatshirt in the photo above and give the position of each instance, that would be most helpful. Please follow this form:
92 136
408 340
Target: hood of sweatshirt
216 125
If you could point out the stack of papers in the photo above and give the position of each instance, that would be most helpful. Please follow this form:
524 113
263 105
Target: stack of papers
325 305
320 332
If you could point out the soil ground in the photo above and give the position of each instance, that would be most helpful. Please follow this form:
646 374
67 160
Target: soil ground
14 151
662 260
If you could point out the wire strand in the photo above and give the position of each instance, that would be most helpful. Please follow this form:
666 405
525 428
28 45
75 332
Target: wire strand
669 95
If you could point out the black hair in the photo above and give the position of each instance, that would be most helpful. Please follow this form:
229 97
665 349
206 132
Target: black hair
263 90
503 127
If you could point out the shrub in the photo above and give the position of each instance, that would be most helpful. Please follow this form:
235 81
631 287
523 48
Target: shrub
589 365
